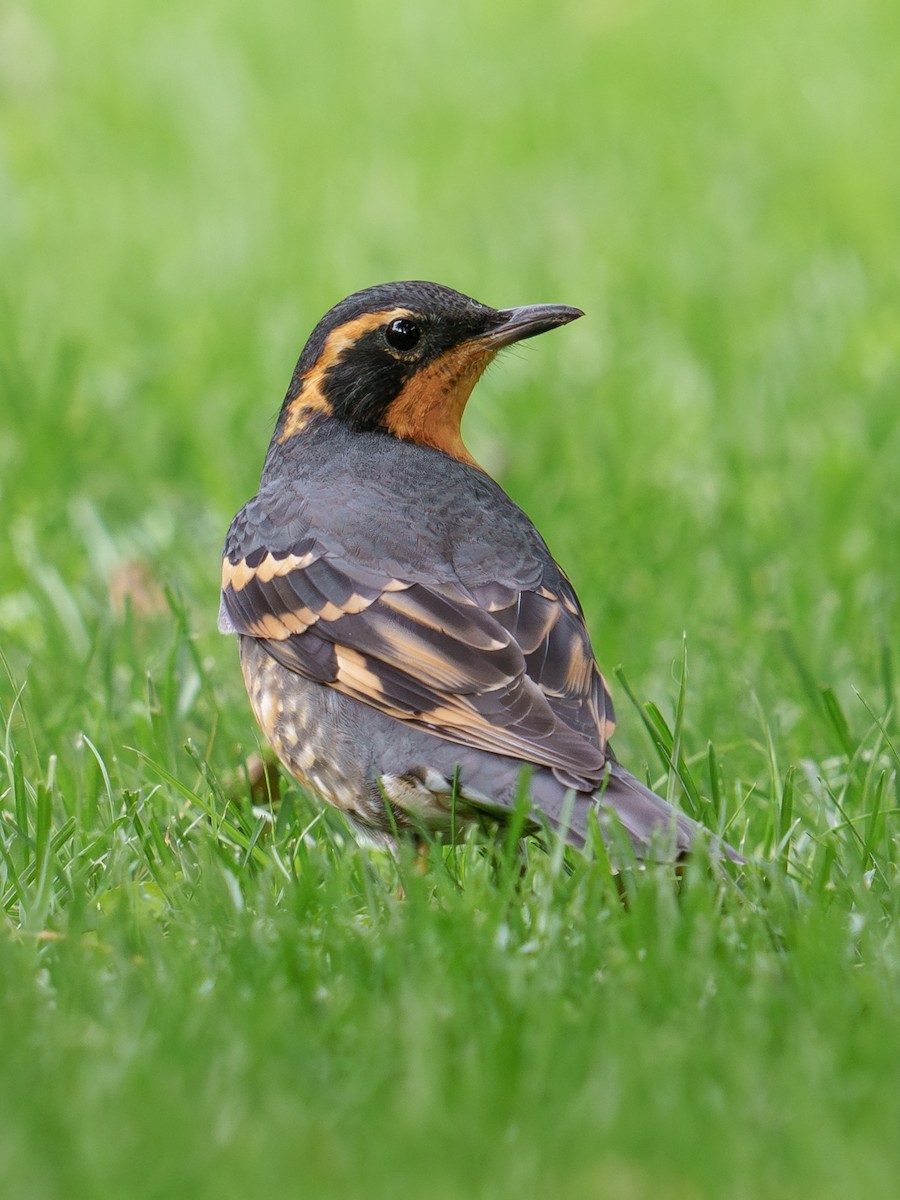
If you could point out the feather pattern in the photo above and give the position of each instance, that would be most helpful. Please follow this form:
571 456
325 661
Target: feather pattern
404 629
502 670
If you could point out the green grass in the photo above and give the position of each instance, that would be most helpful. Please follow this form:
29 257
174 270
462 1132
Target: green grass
201 997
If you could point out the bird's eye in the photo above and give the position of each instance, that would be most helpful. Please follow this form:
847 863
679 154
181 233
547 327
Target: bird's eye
402 334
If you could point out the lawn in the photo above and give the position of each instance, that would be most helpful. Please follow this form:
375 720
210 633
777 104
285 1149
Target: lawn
204 995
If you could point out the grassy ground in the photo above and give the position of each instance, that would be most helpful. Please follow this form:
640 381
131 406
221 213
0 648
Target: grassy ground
195 1000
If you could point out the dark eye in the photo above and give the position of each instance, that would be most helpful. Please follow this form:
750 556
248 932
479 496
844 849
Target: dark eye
402 334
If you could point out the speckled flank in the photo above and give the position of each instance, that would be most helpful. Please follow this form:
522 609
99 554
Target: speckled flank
289 712
303 723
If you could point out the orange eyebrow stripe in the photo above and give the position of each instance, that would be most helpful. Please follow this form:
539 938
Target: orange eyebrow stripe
311 398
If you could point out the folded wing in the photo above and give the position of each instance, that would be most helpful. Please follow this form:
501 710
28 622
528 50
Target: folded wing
501 669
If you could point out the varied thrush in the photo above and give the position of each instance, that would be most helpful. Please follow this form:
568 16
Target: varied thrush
408 642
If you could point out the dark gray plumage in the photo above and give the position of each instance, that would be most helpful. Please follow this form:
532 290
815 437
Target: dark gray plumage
406 635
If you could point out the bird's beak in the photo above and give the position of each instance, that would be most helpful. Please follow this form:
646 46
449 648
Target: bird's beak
518 323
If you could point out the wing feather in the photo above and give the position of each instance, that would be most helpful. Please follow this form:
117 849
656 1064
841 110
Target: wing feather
500 668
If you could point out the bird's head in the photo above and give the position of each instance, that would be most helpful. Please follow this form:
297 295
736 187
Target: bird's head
403 358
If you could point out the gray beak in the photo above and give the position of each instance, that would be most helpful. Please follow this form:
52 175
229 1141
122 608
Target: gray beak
518 323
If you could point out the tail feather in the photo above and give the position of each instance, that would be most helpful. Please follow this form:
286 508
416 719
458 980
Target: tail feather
657 831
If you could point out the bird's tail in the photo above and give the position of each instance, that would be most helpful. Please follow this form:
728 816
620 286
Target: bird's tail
656 830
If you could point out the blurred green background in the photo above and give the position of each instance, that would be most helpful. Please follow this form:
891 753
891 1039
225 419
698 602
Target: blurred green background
186 189
713 450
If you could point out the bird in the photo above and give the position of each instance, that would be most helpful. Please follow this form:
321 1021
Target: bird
412 651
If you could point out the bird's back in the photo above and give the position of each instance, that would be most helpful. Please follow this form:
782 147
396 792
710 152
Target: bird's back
396 504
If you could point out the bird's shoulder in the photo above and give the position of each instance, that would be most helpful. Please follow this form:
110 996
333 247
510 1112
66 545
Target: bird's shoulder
404 508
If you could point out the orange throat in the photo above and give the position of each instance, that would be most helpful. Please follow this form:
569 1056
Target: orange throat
430 408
